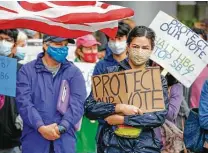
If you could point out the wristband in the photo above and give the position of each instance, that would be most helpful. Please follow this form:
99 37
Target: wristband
62 129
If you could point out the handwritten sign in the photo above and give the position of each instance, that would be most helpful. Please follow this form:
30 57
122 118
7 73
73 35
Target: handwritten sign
178 49
87 71
141 88
8 71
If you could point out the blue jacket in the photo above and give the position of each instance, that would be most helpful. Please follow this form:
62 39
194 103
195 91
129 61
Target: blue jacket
36 98
107 63
203 109
108 142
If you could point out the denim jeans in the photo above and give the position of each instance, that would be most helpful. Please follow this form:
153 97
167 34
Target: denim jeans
13 150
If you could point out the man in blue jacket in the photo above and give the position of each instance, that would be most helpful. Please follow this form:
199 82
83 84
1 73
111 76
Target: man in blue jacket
45 129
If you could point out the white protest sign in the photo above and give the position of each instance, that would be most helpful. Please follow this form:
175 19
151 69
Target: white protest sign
178 49
87 71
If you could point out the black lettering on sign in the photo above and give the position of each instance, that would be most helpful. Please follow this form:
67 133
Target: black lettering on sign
129 100
120 99
106 99
164 27
152 78
201 54
198 49
155 99
146 88
125 80
136 98
193 46
177 35
136 81
171 30
99 100
145 98
183 31
110 99
96 84
118 85
104 84
189 41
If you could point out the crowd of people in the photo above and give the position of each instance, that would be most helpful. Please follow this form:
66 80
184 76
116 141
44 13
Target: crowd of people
31 122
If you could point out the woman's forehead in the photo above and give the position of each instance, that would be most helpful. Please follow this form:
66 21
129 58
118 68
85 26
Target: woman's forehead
141 41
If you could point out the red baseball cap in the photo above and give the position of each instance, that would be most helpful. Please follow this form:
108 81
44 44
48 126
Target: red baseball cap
87 41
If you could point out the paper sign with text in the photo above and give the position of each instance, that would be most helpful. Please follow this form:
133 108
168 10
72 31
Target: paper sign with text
178 49
141 88
87 71
8 72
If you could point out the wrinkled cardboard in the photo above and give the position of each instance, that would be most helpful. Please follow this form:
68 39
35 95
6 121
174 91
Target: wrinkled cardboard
138 87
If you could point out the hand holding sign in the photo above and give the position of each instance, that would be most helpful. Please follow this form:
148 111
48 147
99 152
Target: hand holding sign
8 70
128 109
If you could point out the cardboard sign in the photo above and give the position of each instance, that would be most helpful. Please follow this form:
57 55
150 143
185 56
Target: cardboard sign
87 71
141 88
8 72
178 49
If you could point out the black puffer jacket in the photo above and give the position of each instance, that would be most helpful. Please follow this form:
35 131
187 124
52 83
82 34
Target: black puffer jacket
108 142
9 134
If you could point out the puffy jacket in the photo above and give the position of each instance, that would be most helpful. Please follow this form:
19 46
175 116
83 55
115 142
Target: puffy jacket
37 96
108 142
9 134
107 63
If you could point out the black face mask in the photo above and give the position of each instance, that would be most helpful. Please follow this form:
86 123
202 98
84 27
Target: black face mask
171 80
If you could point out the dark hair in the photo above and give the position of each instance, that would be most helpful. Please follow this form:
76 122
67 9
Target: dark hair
13 33
140 31
123 29
171 80
200 32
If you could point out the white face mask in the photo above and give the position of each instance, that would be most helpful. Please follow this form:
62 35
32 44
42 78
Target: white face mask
117 47
139 56
5 48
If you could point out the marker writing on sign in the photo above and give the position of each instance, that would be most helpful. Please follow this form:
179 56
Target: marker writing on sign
163 49
4 76
129 87
193 43
183 65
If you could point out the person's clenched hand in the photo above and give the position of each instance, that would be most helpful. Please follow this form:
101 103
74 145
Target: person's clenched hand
49 132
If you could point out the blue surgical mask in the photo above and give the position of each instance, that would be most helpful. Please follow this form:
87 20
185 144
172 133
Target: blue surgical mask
5 48
59 54
20 55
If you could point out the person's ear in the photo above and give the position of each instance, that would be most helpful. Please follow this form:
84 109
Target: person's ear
45 46
127 50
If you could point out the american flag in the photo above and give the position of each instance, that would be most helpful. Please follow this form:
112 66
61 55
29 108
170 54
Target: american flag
69 19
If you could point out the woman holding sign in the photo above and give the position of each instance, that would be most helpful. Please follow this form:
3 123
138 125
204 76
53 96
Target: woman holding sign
139 136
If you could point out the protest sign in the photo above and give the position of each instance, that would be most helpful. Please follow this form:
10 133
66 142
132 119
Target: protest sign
138 87
87 71
8 71
178 49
